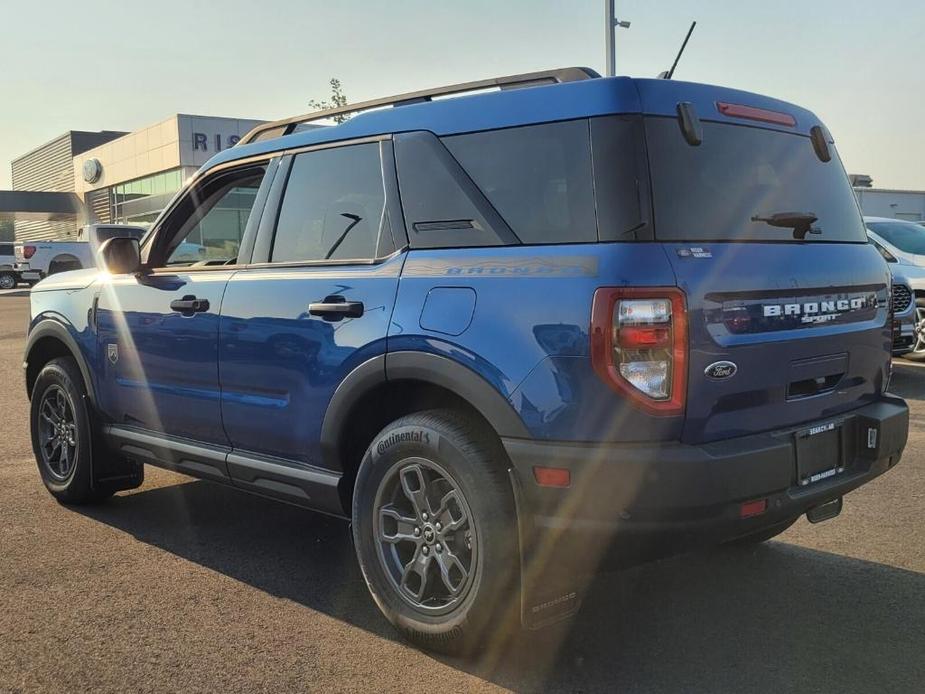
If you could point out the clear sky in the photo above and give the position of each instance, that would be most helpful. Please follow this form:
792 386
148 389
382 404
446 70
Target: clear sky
100 64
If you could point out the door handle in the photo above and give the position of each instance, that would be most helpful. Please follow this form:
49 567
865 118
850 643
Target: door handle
189 305
336 308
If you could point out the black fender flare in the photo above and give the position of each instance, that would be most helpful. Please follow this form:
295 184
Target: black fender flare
50 328
415 366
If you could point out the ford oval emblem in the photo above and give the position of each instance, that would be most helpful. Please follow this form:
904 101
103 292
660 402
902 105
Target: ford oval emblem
720 370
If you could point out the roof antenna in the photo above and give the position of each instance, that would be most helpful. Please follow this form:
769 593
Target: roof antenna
668 75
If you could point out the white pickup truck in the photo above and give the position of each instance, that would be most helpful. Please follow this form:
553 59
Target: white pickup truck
8 276
35 260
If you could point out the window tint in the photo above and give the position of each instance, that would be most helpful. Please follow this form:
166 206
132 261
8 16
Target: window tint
333 207
906 236
731 185
219 222
443 207
6 249
621 179
537 177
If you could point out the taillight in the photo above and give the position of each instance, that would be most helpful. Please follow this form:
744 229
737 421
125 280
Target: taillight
760 114
639 345
28 252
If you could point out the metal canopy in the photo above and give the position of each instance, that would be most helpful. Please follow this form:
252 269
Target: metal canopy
41 206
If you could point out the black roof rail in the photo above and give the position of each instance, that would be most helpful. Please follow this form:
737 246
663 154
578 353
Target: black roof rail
286 126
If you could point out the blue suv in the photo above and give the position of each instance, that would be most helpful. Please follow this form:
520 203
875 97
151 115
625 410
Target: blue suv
513 336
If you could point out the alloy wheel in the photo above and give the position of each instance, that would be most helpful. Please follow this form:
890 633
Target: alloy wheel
7 282
919 346
425 536
57 432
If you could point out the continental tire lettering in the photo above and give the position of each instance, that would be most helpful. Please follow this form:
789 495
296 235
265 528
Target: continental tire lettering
402 437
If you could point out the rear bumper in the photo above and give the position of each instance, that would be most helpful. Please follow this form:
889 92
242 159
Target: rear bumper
653 499
27 274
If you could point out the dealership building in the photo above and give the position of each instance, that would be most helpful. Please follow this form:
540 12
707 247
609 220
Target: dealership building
108 176
889 202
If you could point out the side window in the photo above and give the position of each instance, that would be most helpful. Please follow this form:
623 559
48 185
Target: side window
443 208
537 177
6 249
333 207
218 215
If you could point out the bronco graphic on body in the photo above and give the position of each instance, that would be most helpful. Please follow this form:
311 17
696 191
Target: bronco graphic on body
513 337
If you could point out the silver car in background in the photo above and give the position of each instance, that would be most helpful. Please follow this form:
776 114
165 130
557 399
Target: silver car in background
902 245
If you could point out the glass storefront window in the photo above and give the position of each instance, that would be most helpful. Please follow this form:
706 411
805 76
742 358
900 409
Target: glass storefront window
144 198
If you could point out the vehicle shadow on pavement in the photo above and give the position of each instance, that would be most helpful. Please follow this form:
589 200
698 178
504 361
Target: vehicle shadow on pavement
776 617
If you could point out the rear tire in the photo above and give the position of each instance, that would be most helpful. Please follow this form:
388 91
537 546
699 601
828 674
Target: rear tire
918 343
62 435
762 535
435 532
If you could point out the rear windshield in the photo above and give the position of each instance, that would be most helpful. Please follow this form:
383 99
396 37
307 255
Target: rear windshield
906 237
717 190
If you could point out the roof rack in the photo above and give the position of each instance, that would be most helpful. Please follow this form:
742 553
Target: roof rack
530 79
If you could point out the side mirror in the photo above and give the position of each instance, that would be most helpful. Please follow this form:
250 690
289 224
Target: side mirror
120 255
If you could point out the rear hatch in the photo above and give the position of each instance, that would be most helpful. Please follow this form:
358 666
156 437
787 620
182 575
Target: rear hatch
787 302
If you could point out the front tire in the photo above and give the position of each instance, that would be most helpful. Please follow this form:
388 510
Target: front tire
435 532
61 433
7 280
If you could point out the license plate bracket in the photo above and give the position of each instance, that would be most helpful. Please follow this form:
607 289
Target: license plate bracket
820 453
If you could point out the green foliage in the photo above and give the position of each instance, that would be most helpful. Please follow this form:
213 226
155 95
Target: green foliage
6 231
338 99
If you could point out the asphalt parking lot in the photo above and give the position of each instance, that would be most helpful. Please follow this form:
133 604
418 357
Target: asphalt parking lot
184 585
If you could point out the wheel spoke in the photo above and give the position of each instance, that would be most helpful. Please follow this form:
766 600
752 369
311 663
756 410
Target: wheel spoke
390 518
64 462
62 403
415 571
414 485
48 412
451 514
53 445
452 571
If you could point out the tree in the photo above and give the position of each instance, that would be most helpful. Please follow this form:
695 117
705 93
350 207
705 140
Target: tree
338 99
6 230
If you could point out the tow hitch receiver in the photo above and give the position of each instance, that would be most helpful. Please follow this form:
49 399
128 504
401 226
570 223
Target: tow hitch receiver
824 512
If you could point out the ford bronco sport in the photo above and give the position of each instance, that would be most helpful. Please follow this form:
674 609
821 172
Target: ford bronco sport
512 336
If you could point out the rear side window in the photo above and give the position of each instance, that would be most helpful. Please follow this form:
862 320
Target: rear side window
537 177
739 177
333 207
6 249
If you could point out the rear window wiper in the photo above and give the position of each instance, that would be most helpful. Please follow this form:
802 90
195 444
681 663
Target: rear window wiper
800 222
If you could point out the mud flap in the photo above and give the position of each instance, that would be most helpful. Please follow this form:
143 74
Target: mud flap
110 472
550 591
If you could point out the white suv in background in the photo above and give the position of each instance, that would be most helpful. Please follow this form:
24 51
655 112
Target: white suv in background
902 244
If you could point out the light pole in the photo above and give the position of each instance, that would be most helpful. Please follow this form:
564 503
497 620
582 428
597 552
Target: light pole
612 23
